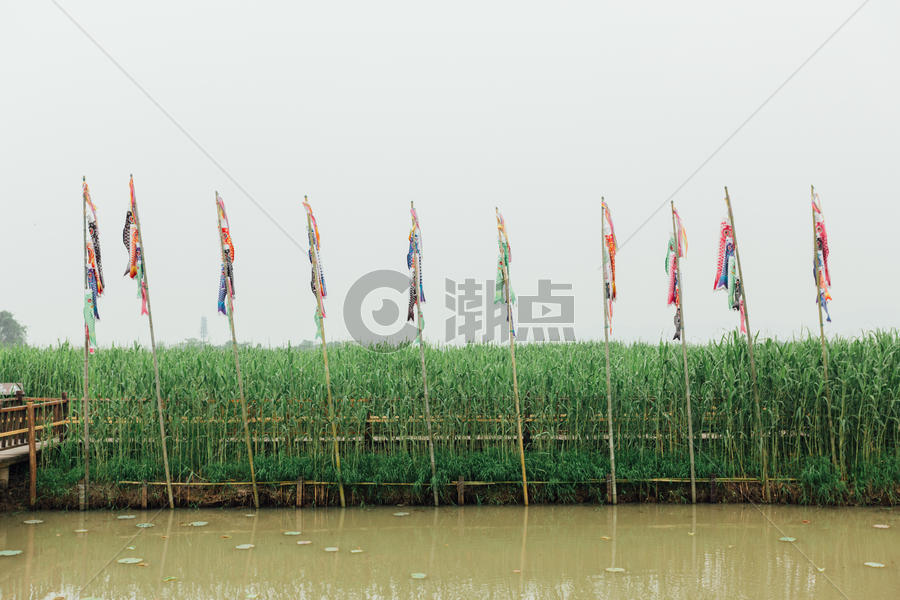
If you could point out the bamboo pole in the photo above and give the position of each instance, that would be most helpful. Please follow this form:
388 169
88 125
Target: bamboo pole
816 270
316 279
159 404
84 398
32 454
512 354
415 282
756 404
229 292
687 383
606 294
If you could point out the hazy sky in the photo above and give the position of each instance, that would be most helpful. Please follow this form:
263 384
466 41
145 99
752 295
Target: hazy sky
539 108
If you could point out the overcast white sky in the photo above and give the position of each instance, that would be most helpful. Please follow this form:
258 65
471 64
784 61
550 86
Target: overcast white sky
539 108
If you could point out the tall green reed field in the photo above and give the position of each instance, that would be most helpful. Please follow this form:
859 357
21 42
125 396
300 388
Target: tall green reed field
380 410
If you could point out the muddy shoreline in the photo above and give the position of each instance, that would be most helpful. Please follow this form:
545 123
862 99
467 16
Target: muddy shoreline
205 495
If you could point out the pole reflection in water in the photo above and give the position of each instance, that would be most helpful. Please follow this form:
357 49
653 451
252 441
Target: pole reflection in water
522 573
162 563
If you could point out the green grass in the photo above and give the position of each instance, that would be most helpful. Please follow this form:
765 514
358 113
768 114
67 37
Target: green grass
562 388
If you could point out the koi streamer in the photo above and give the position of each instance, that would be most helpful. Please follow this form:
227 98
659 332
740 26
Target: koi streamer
676 249
131 240
726 272
317 275
94 283
414 264
611 247
502 282
226 278
94 232
821 274
90 310
126 239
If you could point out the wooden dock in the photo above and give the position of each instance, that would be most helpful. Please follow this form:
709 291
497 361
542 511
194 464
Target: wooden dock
27 425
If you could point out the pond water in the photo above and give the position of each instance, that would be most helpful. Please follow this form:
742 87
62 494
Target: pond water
654 551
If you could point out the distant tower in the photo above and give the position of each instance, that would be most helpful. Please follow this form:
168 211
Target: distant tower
204 330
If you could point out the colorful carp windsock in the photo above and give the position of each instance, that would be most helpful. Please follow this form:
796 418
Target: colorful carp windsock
226 277
821 274
94 282
90 321
414 264
503 261
94 241
317 276
611 247
132 241
93 268
676 249
727 277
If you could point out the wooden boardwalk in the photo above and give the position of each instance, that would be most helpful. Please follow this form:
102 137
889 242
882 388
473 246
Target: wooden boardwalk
22 420
11 456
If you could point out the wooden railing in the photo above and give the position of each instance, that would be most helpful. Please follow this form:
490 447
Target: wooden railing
23 417
22 421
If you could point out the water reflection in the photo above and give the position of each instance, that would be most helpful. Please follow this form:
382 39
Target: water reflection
467 552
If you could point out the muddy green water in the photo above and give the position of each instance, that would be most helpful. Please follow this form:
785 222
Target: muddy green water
471 552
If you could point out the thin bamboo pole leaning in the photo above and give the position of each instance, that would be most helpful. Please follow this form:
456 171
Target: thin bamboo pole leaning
316 279
687 383
159 405
84 398
229 293
756 404
415 282
605 293
816 270
512 354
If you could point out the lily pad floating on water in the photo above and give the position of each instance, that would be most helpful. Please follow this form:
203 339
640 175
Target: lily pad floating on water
615 570
144 525
417 575
244 546
291 533
881 526
10 552
198 523
33 522
304 542
127 517
787 539
875 565
331 549
129 561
